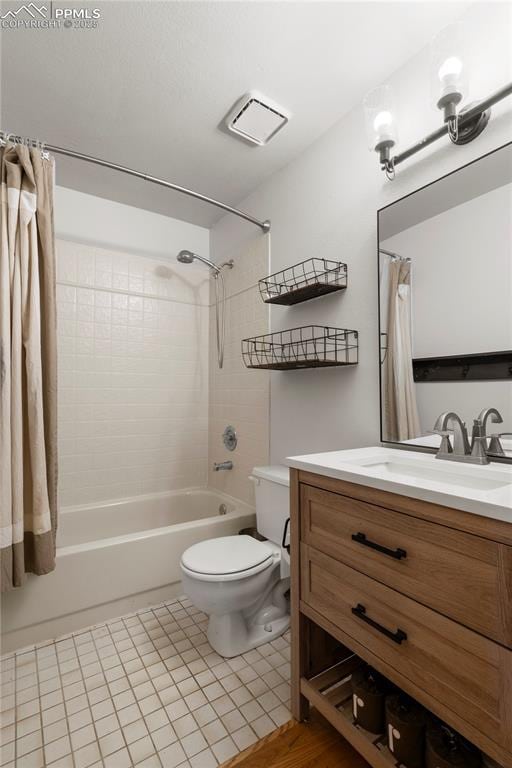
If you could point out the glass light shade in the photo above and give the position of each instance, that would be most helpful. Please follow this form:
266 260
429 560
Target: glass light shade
380 117
448 66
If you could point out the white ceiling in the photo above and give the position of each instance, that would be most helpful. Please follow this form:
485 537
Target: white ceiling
150 86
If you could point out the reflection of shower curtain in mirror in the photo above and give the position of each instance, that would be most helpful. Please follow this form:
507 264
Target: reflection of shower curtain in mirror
400 408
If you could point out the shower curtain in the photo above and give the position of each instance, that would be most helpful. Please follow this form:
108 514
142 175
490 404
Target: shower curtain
28 366
401 411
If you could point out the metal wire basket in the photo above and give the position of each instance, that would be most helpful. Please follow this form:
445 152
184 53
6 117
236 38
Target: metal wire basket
304 281
311 346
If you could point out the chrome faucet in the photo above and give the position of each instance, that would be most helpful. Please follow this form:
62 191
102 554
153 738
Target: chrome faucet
222 465
462 450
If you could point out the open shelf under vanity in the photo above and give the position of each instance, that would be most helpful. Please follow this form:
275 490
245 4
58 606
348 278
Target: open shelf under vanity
330 692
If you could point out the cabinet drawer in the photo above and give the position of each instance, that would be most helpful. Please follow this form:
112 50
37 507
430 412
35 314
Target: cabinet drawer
460 575
453 665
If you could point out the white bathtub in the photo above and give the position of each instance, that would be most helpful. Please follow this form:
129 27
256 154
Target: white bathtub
116 557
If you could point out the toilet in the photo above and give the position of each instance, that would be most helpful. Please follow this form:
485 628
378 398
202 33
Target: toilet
242 583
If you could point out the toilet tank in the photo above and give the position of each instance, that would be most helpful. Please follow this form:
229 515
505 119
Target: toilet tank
272 489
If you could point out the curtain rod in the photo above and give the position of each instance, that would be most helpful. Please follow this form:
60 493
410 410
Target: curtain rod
263 225
394 255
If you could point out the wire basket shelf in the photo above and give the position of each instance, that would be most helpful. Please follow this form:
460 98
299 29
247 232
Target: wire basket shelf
310 346
304 281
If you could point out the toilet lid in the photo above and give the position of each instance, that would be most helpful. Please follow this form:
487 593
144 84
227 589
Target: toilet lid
227 554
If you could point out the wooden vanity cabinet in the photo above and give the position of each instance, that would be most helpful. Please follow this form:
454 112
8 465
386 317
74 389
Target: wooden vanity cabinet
421 592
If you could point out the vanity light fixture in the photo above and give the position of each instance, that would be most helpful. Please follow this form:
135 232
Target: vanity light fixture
449 84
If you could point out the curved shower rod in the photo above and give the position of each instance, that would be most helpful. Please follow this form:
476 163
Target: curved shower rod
263 225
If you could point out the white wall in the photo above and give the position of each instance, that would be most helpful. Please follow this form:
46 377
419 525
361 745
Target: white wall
325 203
133 351
85 218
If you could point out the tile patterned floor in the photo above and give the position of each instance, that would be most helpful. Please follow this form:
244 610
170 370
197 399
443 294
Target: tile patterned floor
145 689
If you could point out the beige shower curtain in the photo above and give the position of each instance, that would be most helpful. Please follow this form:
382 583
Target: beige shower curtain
28 366
401 411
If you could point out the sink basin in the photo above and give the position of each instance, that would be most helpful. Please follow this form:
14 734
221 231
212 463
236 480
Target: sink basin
415 471
478 489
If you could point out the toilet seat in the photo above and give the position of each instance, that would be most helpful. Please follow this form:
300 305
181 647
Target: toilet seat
227 558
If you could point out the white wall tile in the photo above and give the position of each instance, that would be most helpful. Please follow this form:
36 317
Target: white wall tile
133 374
239 396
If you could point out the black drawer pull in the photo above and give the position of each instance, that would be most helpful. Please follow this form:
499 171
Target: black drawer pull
398 553
397 637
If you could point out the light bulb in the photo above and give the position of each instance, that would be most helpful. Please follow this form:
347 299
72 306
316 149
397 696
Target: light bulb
450 69
382 120
383 127
448 55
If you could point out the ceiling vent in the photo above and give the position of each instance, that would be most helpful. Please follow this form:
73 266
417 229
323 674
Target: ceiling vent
256 119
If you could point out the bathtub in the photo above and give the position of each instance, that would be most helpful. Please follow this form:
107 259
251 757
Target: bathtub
116 557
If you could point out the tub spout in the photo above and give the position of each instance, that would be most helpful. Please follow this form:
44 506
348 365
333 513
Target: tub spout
217 466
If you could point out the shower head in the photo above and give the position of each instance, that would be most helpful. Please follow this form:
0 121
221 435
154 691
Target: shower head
187 257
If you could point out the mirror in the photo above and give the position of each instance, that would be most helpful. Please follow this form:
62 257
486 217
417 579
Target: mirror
445 303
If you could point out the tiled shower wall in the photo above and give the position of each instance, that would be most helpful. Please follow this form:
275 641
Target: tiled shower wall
239 396
133 374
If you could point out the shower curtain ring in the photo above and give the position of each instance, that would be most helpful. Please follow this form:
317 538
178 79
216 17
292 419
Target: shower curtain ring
390 169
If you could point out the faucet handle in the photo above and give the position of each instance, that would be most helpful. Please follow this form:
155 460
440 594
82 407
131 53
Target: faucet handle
445 446
495 446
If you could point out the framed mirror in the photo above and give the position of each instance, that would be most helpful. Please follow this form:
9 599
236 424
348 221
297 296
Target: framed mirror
445 305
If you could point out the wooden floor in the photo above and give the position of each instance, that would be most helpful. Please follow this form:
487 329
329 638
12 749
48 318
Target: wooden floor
300 745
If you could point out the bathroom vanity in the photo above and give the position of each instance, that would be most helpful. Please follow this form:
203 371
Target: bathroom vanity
406 562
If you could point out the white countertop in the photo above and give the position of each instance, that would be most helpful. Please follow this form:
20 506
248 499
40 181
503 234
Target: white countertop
481 490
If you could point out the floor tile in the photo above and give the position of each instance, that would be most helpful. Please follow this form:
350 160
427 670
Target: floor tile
173 755
193 743
112 742
86 756
205 759
135 731
163 737
224 749
214 731
244 737
141 749
83 737
263 725
143 690
184 725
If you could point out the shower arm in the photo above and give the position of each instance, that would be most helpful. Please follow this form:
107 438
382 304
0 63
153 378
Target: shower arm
263 225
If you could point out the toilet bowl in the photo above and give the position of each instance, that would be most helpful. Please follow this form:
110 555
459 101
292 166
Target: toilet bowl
242 583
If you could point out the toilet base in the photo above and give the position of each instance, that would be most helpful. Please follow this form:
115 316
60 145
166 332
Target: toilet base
231 635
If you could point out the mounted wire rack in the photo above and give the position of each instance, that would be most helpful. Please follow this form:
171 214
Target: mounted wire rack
311 346
304 281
